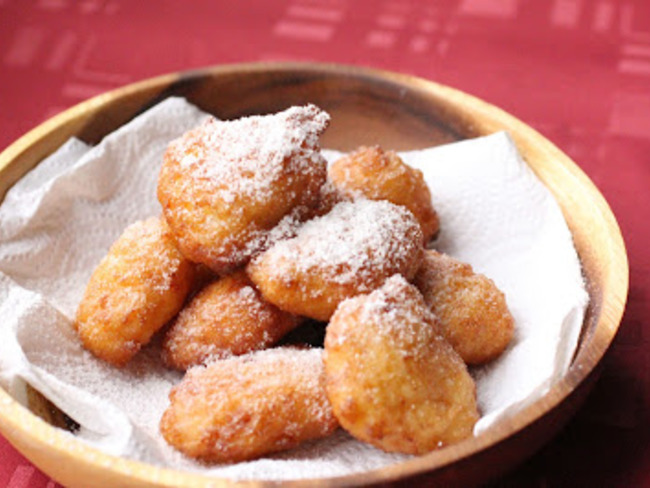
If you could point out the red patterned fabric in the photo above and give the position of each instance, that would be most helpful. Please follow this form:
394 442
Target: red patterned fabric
576 70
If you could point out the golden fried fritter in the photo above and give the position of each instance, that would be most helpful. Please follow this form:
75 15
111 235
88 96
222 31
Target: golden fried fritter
392 379
224 185
227 317
473 312
353 249
382 175
139 286
247 406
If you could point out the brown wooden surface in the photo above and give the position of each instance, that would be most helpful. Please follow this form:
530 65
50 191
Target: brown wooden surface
367 107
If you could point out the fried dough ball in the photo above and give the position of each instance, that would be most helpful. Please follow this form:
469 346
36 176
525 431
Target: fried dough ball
351 250
392 379
137 288
473 312
382 175
224 185
247 406
227 317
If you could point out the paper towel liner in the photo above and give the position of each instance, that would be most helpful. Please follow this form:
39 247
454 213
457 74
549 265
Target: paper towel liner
60 219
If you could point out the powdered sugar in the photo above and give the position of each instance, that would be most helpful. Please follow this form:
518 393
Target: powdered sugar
285 365
242 159
354 241
149 244
396 310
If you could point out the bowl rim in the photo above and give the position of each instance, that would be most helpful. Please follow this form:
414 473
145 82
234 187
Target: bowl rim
15 417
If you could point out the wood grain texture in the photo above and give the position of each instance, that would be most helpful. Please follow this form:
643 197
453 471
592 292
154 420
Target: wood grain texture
367 107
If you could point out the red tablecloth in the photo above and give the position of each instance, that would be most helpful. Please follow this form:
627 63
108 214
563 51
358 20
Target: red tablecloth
576 70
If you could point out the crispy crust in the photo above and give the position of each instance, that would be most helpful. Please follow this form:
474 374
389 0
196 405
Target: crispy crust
473 312
136 289
392 380
247 406
227 317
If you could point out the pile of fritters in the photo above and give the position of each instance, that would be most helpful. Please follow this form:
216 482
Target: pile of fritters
258 239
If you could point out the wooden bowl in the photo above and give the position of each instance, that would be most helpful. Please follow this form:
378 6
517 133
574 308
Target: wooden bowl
367 106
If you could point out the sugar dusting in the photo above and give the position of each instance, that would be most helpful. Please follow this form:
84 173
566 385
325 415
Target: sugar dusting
225 156
352 243
266 369
150 245
397 310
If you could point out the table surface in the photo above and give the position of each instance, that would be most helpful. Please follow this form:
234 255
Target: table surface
576 70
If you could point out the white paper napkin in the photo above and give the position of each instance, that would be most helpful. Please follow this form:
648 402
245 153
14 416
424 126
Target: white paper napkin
60 219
